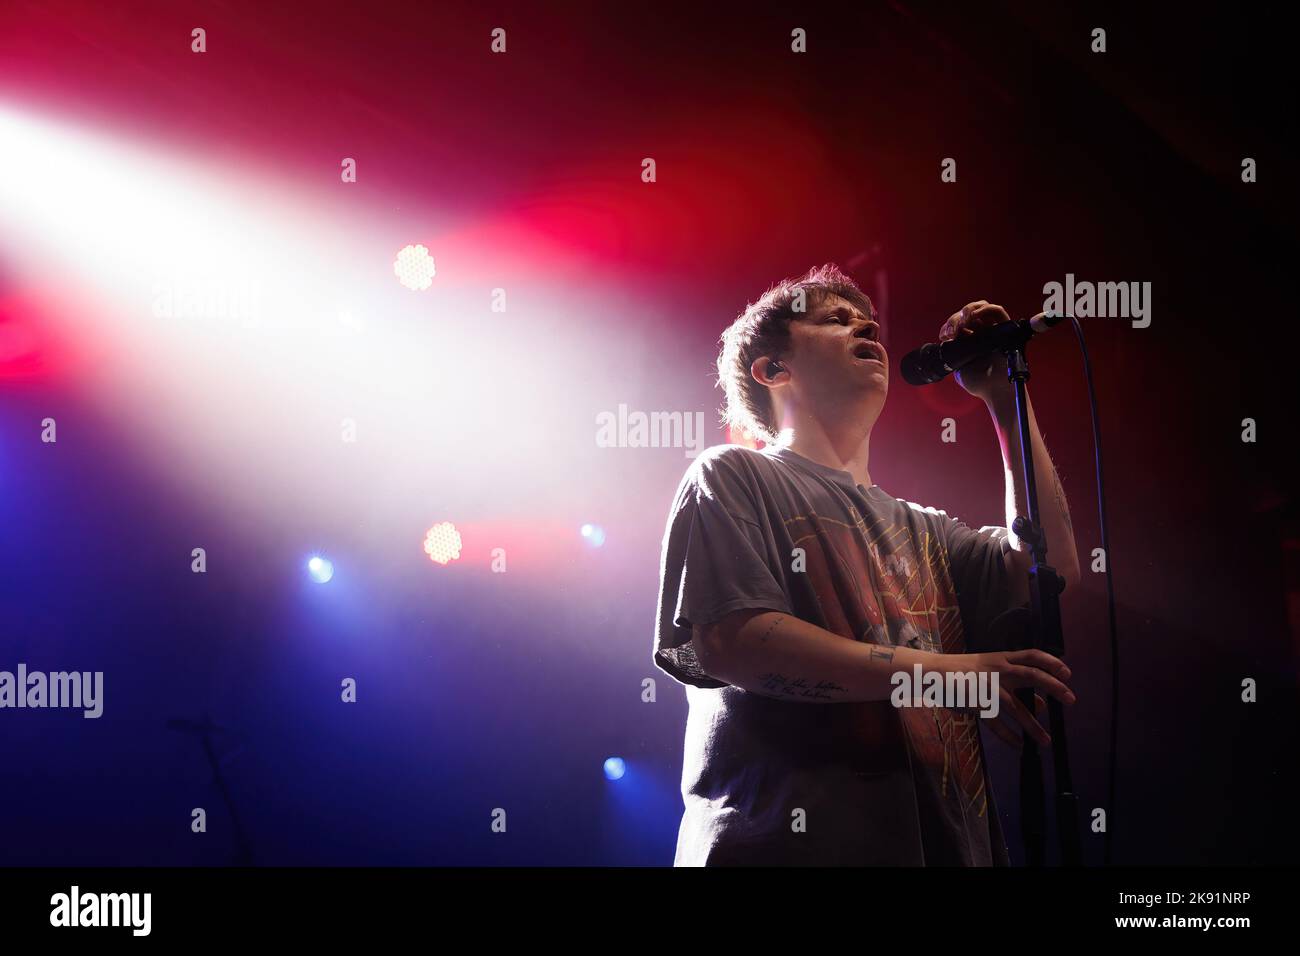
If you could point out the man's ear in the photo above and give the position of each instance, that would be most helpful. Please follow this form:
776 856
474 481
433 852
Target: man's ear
769 371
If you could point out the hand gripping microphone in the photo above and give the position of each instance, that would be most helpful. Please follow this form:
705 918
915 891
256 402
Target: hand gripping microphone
933 362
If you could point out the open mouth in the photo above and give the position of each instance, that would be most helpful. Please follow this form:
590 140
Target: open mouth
867 349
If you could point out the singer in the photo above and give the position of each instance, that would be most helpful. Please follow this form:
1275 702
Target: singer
792 587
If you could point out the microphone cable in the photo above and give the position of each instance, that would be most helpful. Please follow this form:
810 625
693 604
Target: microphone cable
1107 840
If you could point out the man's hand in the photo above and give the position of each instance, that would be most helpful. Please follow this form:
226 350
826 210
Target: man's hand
986 379
1012 712
1017 669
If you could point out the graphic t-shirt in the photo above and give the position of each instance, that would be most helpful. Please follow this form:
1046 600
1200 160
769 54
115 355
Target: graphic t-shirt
875 784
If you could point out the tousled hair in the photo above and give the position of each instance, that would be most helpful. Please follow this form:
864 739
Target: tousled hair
764 329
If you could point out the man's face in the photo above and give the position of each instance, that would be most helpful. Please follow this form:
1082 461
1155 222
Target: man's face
835 354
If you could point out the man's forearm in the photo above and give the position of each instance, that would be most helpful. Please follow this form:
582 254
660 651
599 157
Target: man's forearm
781 656
1063 553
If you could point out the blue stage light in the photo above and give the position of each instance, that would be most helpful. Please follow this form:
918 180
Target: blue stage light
594 534
320 569
615 768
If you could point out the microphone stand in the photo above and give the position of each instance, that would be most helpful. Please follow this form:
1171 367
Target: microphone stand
1045 633
204 730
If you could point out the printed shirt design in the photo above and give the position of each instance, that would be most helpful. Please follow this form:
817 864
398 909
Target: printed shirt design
883 785
872 585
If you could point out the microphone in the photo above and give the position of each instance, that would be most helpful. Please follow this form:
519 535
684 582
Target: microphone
933 362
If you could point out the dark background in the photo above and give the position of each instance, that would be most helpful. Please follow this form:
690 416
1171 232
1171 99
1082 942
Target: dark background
480 691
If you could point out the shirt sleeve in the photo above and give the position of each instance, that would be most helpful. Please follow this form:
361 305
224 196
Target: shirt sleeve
714 562
977 561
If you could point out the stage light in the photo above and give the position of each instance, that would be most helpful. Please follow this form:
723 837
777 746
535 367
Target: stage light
615 768
594 534
414 268
442 542
320 569
206 276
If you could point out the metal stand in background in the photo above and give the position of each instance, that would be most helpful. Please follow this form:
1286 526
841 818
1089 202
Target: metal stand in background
204 729
1045 633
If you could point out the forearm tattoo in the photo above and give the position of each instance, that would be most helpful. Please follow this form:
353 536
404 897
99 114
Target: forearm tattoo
1060 504
879 653
782 687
